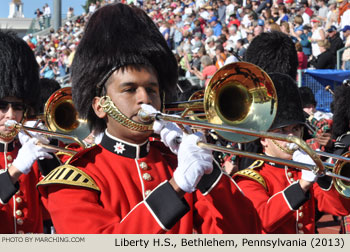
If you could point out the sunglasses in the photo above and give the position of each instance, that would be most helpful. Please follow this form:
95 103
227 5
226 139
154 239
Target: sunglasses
18 106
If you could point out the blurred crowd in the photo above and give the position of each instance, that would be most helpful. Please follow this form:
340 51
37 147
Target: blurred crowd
207 34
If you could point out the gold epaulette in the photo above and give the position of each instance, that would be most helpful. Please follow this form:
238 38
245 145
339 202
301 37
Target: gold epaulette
69 175
252 174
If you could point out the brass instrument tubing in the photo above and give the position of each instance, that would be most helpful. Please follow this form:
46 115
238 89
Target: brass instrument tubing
319 168
51 133
276 160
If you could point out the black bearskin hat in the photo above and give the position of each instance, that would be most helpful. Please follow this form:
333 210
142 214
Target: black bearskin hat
19 71
307 96
47 88
273 52
341 111
117 36
289 109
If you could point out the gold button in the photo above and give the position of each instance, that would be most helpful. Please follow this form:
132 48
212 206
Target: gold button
147 192
301 214
19 200
20 232
301 208
9 165
301 231
292 180
20 222
289 174
18 212
9 158
147 177
144 166
300 225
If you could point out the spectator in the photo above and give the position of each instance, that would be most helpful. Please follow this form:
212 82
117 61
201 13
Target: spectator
39 17
346 53
234 34
165 31
208 69
345 18
322 11
325 59
221 12
240 48
335 40
318 34
47 15
230 9
70 12
343 6
332 15
220 56
305 42
215 26
92 8
302 58
282 13
230 58
48 70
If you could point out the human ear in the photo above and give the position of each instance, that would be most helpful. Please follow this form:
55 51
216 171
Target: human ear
263 142
97 108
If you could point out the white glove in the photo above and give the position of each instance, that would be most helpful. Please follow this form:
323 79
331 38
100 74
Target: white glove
193 162
28 153
169 132
23 137
302 157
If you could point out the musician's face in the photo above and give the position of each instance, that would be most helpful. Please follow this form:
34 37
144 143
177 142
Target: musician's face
11 108
277 148
129 89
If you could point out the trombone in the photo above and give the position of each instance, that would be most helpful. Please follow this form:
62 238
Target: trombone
239 99
61 119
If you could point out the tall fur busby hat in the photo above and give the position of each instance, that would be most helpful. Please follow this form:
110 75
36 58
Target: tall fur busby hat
117 36
307 97
341 111
289 109
19 71
47 88
273 52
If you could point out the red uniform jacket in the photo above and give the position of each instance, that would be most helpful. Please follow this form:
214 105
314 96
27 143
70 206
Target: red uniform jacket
282 206
117 187
20 206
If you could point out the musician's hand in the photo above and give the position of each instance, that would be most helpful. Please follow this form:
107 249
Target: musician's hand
193 162
169 132
28 153
302 157
23 137
325 139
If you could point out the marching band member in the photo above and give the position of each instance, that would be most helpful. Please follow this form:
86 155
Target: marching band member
128 184
319 123
273 52
341 132
285 197
20 205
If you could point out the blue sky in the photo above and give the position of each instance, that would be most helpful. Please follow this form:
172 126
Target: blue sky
29 6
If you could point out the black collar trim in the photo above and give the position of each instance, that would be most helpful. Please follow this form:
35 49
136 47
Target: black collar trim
123 148
276 165
7 147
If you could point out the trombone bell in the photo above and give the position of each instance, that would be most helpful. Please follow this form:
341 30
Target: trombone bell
242 95
342 168
60 115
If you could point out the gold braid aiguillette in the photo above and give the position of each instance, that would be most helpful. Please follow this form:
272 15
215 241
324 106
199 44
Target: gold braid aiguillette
9 136
108 107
